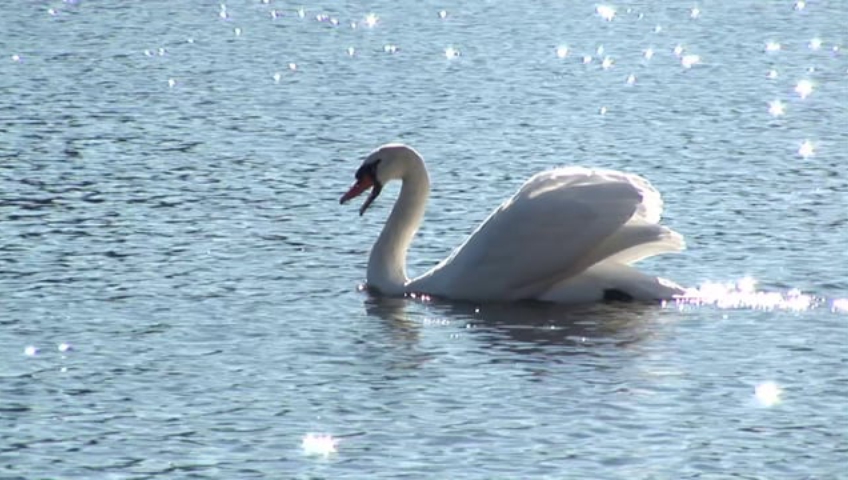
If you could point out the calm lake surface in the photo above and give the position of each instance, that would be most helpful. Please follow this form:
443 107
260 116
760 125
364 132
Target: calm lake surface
178 283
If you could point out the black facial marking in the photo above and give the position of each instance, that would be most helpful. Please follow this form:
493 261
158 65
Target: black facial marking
368 170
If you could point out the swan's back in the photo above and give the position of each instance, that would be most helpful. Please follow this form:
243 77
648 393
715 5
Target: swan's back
648 208
560 223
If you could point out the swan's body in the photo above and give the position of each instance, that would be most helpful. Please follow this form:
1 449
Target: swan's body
568 235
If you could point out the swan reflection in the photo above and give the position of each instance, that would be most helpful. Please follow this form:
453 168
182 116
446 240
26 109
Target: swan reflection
524 327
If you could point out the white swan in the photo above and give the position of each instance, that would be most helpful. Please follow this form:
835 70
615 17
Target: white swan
568 235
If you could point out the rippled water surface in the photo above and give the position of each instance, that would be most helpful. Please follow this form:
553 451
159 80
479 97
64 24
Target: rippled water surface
178 284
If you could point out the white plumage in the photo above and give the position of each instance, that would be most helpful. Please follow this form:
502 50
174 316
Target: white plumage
568 235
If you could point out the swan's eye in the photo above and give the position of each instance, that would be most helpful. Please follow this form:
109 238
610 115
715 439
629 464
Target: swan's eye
369 170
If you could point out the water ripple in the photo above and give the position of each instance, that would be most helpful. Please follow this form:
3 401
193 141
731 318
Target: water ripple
178 282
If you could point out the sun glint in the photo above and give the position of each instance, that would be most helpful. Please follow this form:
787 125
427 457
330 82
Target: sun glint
606 12
807 149
768 393
776 108
804 88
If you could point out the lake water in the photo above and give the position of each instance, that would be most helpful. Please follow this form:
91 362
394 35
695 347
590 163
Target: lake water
178 283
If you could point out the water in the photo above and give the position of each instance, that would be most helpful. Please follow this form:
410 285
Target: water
178 282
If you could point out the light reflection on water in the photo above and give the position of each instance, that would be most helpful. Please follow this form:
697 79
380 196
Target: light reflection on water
743 294
176 285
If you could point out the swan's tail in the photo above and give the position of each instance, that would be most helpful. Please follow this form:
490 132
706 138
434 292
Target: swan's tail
610 280
635 241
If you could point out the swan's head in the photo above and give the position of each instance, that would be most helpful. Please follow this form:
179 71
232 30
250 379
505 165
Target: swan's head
389 162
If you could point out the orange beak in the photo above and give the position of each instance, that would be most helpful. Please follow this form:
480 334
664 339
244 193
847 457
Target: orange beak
362 184
357 188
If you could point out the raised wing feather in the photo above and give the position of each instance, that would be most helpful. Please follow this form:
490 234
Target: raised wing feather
542 234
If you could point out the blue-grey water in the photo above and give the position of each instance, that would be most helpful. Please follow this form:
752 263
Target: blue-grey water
178 283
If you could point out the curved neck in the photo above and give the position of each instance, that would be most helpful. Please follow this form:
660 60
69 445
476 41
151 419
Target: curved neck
387 264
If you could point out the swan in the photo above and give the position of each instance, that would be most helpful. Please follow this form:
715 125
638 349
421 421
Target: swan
569 235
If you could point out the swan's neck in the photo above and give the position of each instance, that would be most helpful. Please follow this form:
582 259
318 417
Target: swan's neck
387 264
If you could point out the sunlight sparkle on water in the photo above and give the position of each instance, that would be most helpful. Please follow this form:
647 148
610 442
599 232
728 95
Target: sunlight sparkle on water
840 305
371 20
423 297
648 53
807 149
631 79
606 12
678 50
318 444
768 393
742 294
773 47
688 61
587 59
277 77
776 108
747 284
804 88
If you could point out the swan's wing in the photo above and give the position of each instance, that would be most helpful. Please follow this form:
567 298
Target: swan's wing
542 235
639 240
